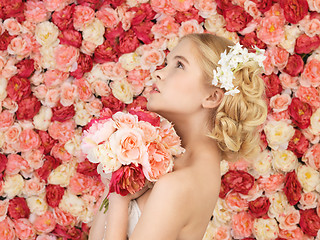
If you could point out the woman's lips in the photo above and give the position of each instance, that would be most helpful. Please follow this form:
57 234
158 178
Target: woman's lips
155 88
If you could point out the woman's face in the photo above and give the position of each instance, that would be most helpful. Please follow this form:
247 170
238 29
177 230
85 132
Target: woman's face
180 85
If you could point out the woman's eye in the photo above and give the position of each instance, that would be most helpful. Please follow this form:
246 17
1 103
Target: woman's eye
180 64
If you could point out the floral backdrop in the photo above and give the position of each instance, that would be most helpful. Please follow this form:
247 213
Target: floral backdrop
63 62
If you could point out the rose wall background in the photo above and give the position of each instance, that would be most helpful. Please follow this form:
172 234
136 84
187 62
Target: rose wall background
63 62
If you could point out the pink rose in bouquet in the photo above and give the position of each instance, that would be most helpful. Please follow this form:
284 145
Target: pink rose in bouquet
143 32
3 162
18 208
24 229
18 88
263 5
128 42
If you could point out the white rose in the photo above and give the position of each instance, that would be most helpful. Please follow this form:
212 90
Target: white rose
94 32
315 122
214 23
278 134
47 57
129 61
172 42
224 167
265 229
46 33
122 90
291 32
279 205
37 204
72 204
206 8
62 174
3 87
82 117
96 73
284 160
221 213
73 145
42 120
308 177
13 185
261 166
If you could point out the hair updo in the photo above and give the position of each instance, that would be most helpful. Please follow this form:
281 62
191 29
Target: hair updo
235 122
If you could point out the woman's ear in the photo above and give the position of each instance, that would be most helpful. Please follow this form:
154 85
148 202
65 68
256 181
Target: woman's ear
213 99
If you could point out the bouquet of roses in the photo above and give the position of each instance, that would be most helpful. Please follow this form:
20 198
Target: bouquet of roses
132 146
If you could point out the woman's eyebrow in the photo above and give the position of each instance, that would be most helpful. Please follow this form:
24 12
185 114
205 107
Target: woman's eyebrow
179 57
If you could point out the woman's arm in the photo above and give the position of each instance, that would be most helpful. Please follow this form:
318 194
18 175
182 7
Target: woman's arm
113 224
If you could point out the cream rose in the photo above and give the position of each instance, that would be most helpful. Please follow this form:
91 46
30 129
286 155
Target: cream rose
122 90
37 204
46 33
42 120
62 174
278 134
279 205
82 117
47 57
221 213
308 177
129 61
261 166
214 23
284 160
224 167
265 229
72 204
13 185
291 32
315 122
95 74
172 42
94 32
3 87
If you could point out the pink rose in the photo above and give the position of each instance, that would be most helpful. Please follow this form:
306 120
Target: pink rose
28 108
236 18
294 65
14 9
63 18
271 30
127 179
235 202
165 27
59 152
312 156
143 32
34 157
68 94
36 11
29 140
306 44
82 17
54 78
18 88
294 234
45 223
80 183
289 220
164 7
311 74
146 116
238 180
62 131
63 218
309 200
88 168
279 57
108 16
6 120
24 229
242 224
309 95
279 102
7 229
54 194
18 208
271 184
250 40
94 4
100 88
34 186
193 12
68 232
4 204
66 57
55 5
85 64
84 89
139 102
3 162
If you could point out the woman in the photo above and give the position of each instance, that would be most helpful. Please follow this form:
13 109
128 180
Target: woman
213 126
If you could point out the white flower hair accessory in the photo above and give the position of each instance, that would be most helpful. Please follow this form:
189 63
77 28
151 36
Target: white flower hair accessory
230 62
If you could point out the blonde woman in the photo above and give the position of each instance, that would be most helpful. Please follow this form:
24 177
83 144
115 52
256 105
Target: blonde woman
215 121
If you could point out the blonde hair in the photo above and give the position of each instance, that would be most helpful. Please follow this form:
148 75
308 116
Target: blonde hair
235 122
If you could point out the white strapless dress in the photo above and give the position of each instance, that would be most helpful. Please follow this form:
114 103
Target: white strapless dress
134 215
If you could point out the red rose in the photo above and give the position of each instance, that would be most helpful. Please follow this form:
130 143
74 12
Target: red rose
142 13
68 232
263 5
25 68
28 108
49 164
127 179
146 116
71 37
143 32
113 103
294 66
236 18
309 222
259 207
263 140
18 88
238 180
105 52
139 102
94 4
298 144
113 34
224 189
306 44
18 208
88 168
224 4
292 188
294 10
300 112
192 13
5 40
54 194
61 113
3 162
14 9
63 18
47 142
85 64
273 85
251 40
114 3
128 42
